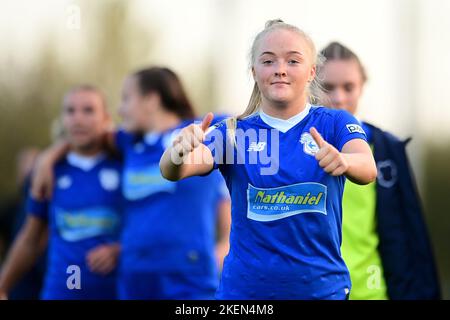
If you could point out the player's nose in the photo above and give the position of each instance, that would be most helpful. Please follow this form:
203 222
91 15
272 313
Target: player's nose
337 98
280 70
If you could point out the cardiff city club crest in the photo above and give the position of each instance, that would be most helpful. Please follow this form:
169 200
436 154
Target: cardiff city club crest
309 145
109 179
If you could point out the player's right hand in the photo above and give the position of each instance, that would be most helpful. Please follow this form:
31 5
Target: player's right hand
42 181
3 295
191 136
103 258
330 159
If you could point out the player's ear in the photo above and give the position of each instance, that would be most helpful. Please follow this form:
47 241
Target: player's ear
312 73
361 87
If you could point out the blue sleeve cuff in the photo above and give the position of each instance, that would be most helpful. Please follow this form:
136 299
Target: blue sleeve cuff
37 208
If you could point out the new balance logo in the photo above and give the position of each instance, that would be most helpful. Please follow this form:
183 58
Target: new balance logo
257 146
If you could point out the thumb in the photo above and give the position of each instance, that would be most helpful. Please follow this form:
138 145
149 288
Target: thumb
207 121
317 137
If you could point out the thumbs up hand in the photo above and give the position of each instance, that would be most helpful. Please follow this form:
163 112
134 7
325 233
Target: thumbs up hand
191 136
330 159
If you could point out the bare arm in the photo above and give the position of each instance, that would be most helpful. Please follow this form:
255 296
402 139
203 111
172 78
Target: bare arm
361 164
175 167
26 249
42 180
355 161
109 141
223 231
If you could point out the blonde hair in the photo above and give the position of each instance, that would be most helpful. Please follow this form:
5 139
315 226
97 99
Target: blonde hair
255 98
314 89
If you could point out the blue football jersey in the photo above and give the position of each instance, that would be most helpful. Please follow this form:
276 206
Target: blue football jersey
169 226
286 210
84 212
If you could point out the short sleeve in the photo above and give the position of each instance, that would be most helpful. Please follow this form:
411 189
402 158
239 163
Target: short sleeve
36 208
347 128
215 140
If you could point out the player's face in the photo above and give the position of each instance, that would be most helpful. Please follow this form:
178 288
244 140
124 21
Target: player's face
135 108
282 67
343 83
84 118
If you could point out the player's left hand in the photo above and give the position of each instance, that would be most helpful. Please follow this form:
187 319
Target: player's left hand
103 258
330 159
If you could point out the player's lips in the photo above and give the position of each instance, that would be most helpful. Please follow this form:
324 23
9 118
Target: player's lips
79 132
280 83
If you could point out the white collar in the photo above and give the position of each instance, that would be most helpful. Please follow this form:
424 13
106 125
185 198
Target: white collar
85 163
151 137
284 125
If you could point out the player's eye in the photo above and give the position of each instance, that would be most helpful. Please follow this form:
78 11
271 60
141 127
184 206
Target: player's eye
88 109
349 87
328 87
292 61
267 61
69 110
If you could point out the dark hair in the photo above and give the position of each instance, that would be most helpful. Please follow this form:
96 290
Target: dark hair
166 83
337 51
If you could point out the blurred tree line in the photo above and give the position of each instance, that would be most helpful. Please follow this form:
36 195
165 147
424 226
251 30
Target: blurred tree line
437 207
30 99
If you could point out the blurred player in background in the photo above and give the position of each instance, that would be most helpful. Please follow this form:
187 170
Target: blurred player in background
82 218
169 241
385 240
